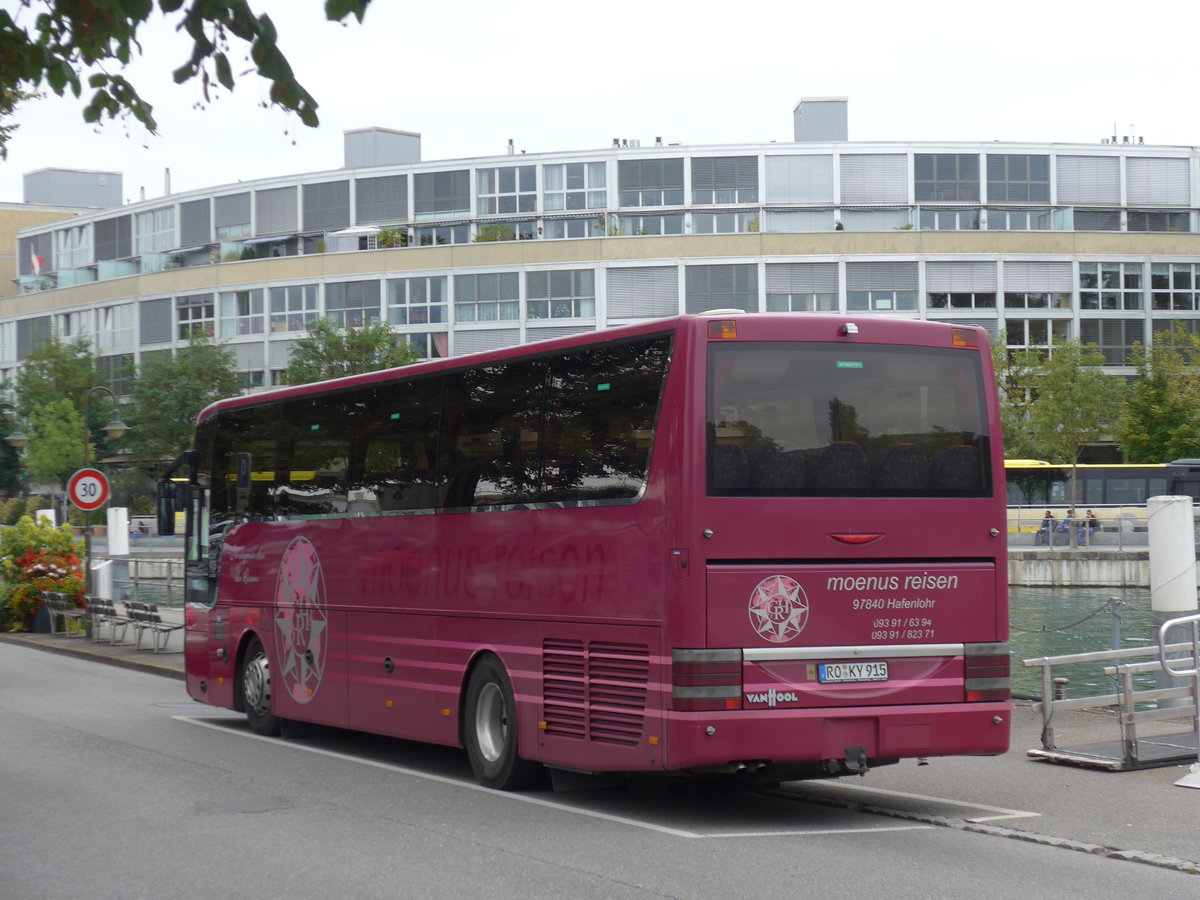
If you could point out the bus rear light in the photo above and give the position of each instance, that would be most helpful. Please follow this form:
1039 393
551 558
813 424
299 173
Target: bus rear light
722 329
987 672
964 337
706 679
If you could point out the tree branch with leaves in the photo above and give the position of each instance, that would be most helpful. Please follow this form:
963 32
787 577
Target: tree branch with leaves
73 43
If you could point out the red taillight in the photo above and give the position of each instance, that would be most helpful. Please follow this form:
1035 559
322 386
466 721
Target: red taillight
706 679
987 672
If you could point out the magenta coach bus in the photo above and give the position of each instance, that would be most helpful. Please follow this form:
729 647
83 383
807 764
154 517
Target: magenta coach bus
771 545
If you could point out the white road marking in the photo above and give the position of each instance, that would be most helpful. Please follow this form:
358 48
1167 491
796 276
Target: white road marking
538 801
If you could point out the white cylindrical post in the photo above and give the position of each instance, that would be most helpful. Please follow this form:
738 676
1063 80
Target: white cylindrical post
118 531
1172 568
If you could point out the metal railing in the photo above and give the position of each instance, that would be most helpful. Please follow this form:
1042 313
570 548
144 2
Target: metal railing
1115 528
157 581
1183 667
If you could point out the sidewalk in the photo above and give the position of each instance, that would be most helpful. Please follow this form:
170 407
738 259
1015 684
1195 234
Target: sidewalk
1142 816
168 662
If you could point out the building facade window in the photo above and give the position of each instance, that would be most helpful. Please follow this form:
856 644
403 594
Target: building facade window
574 186
962 300
352 304
194 316
489 232
946 177
293 307
724 179
441 194
73 246
1018 178
562 294
1114 338
1097 220
721 287
416 301
637 225
1110 286
117 372
241 312
1158 220
231 216
1037 300
949 219
725 223
1035 334
1175 286
433 345
155 231
250 380
802 301
880 301
114 327
650 182
585 227
1023 219
432 235
506 190
494 297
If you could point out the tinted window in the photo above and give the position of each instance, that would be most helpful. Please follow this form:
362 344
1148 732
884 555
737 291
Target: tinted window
399 457
846 420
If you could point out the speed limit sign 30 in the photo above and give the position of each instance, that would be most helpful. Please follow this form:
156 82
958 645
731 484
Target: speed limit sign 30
88 489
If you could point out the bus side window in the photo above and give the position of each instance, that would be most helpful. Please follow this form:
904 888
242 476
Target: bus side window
400 438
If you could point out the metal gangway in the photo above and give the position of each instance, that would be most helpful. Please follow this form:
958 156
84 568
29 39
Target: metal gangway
1132 750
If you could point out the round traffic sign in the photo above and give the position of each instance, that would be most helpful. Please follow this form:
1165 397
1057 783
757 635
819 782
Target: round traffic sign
88 489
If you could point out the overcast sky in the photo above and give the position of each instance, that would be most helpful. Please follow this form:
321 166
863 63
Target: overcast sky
470 74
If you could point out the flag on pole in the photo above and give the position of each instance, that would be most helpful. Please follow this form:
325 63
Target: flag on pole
35 261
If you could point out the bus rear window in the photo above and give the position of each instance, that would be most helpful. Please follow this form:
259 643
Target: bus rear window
862 420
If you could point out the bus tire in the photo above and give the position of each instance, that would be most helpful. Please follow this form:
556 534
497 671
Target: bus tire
255 687
490 729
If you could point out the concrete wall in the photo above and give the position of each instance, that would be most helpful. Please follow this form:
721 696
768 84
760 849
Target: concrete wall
1079 568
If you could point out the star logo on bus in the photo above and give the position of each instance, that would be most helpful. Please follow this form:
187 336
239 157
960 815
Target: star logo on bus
300 619
778 608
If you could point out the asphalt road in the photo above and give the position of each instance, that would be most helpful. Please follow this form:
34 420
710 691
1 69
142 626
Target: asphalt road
114 785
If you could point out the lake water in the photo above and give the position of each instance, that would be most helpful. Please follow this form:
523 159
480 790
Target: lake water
1056 621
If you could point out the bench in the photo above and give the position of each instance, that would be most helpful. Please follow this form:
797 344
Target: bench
145 617
60 605
104 612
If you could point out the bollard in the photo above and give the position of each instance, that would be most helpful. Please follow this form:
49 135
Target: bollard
1172 569
1060 688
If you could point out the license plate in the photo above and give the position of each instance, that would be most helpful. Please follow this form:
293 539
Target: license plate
840 673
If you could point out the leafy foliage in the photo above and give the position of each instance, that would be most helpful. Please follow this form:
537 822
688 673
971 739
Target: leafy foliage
1054 404
330 351
1160 419
171 390
36 557
55 447
73 42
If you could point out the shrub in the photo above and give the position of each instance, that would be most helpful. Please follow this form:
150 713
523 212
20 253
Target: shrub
34 558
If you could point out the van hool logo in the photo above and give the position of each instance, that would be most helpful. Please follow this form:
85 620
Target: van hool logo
772 697
778 608
301 620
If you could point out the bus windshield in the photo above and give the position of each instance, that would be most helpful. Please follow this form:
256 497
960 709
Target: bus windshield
810 419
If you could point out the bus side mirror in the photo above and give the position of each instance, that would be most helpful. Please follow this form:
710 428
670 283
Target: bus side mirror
170 497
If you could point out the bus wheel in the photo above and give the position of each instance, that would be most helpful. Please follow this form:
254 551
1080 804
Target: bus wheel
256 690
491 730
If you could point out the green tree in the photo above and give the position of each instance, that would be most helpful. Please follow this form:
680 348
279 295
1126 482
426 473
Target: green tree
1160 418
1068 402
56 445
72 43
170 390
56 370
331 351
10 97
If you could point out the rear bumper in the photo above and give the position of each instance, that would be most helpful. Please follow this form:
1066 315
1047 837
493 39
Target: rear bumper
710 740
